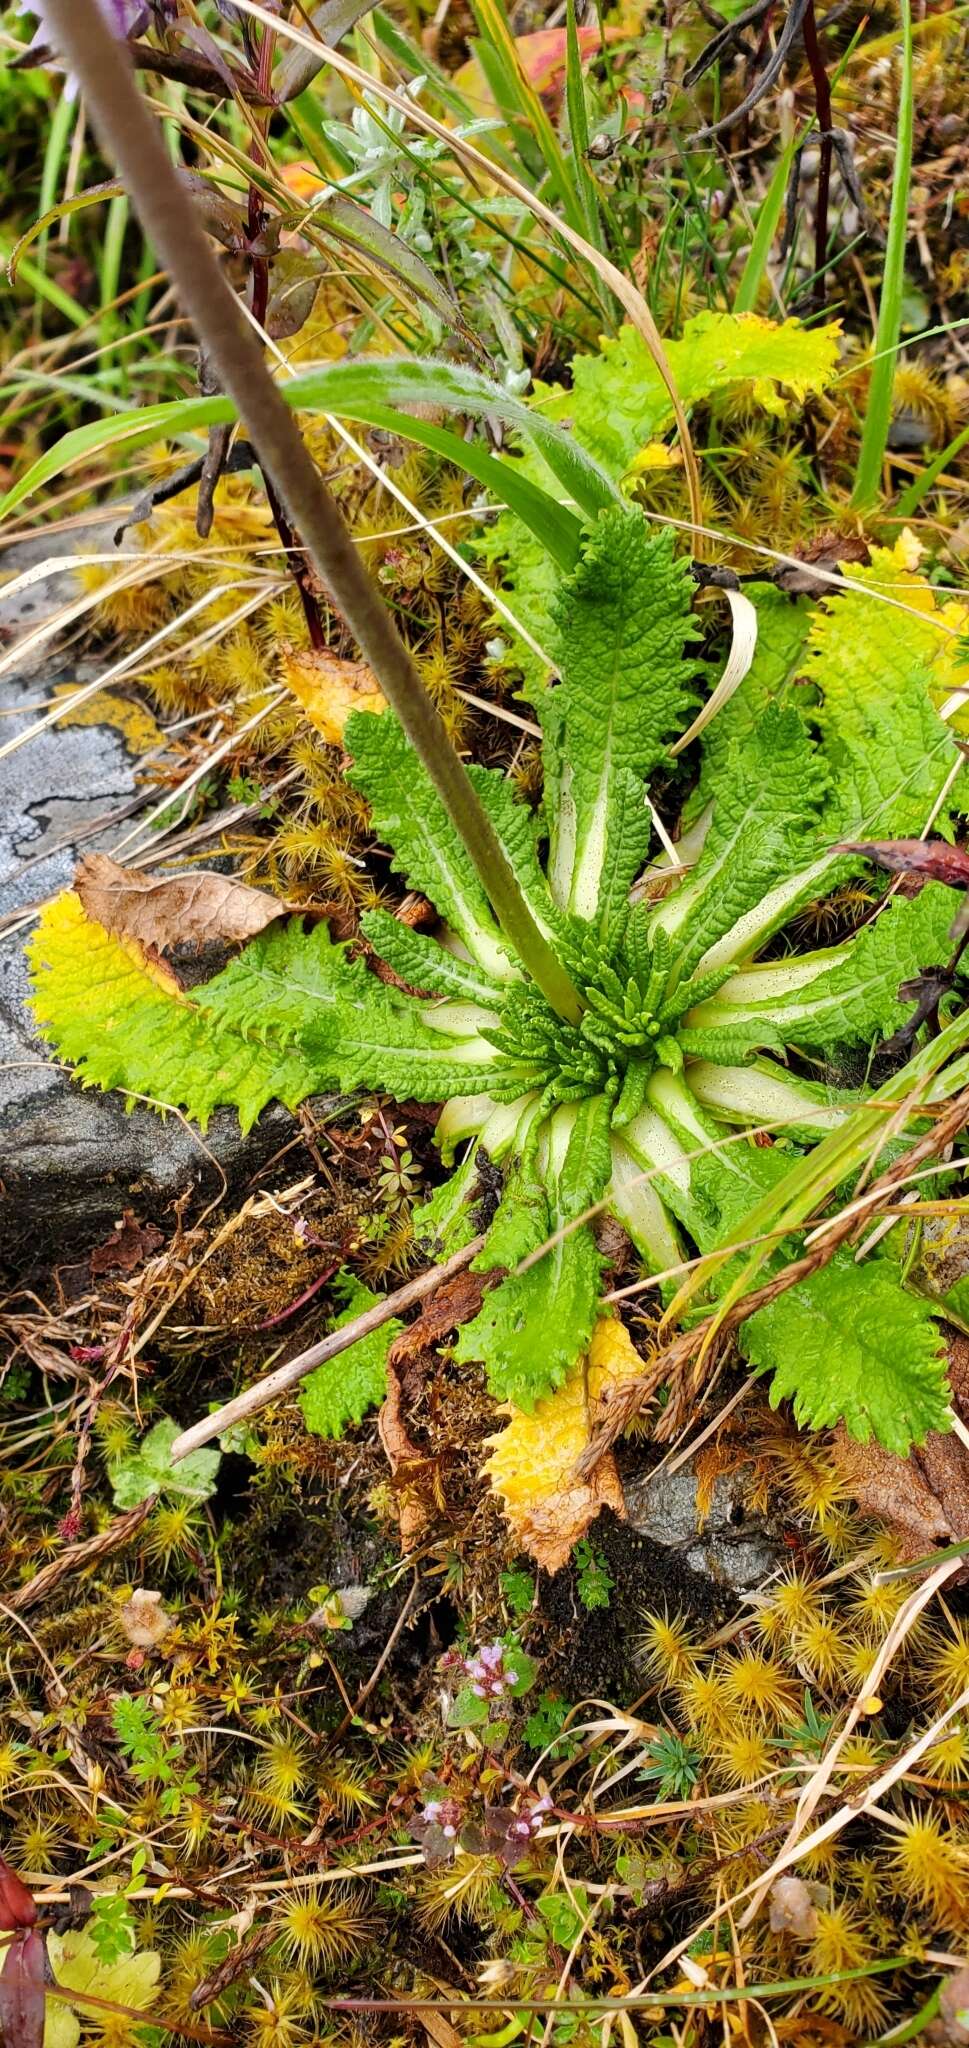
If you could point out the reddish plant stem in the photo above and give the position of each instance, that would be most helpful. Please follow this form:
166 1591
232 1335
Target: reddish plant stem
283 1314
822 101
296 561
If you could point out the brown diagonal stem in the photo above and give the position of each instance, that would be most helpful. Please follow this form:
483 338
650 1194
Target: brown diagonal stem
131 137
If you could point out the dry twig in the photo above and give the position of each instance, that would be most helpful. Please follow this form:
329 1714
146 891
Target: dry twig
707 1339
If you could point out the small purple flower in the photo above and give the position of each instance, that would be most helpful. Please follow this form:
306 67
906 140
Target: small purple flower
527 1825
123 17
489 1678
437 1826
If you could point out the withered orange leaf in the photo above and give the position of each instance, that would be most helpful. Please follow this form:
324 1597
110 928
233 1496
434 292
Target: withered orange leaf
533 1460
329 688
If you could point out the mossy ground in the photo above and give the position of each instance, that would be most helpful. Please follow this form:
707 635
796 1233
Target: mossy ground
246 1771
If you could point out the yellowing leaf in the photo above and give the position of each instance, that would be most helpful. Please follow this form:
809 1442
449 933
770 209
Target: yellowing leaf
77 1967
613 1357
533 1459
932 629
121 1017
329 689
655 455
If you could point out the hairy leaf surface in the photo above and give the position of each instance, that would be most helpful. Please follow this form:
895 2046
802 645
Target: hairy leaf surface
341 1390
851 1344
623 621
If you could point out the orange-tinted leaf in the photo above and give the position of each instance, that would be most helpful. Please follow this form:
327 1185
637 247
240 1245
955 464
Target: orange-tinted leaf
329 689
542 54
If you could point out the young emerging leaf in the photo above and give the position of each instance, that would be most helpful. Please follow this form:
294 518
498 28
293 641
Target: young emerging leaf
623 622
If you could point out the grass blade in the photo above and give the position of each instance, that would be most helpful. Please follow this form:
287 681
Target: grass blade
374 392
878 416
768 218
578 119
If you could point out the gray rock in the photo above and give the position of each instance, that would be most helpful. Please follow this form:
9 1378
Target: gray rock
71 1160
729 1546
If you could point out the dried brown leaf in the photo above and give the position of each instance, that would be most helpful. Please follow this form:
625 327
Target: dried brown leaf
935 859
830 552
410 1467
451 1306
130 1244
162 911
923 1498
439 2030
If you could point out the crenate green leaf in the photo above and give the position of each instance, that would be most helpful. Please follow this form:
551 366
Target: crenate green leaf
889 752
149 1469
849 1344
843 995
342 1389
355 1031
425 964
771 682
533 1325
427 849
623 622
764 826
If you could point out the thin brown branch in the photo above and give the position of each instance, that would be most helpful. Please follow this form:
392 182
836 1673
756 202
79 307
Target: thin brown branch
822 101
285 1377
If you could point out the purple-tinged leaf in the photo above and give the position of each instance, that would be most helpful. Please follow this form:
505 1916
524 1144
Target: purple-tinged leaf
22 1993
935 859
17 1909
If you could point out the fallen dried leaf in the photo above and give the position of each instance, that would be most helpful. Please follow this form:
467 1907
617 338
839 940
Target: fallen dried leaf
329 688
129 1246
161 911
439 2030
933 858
924 1498
451 1306
410 1467
829 552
